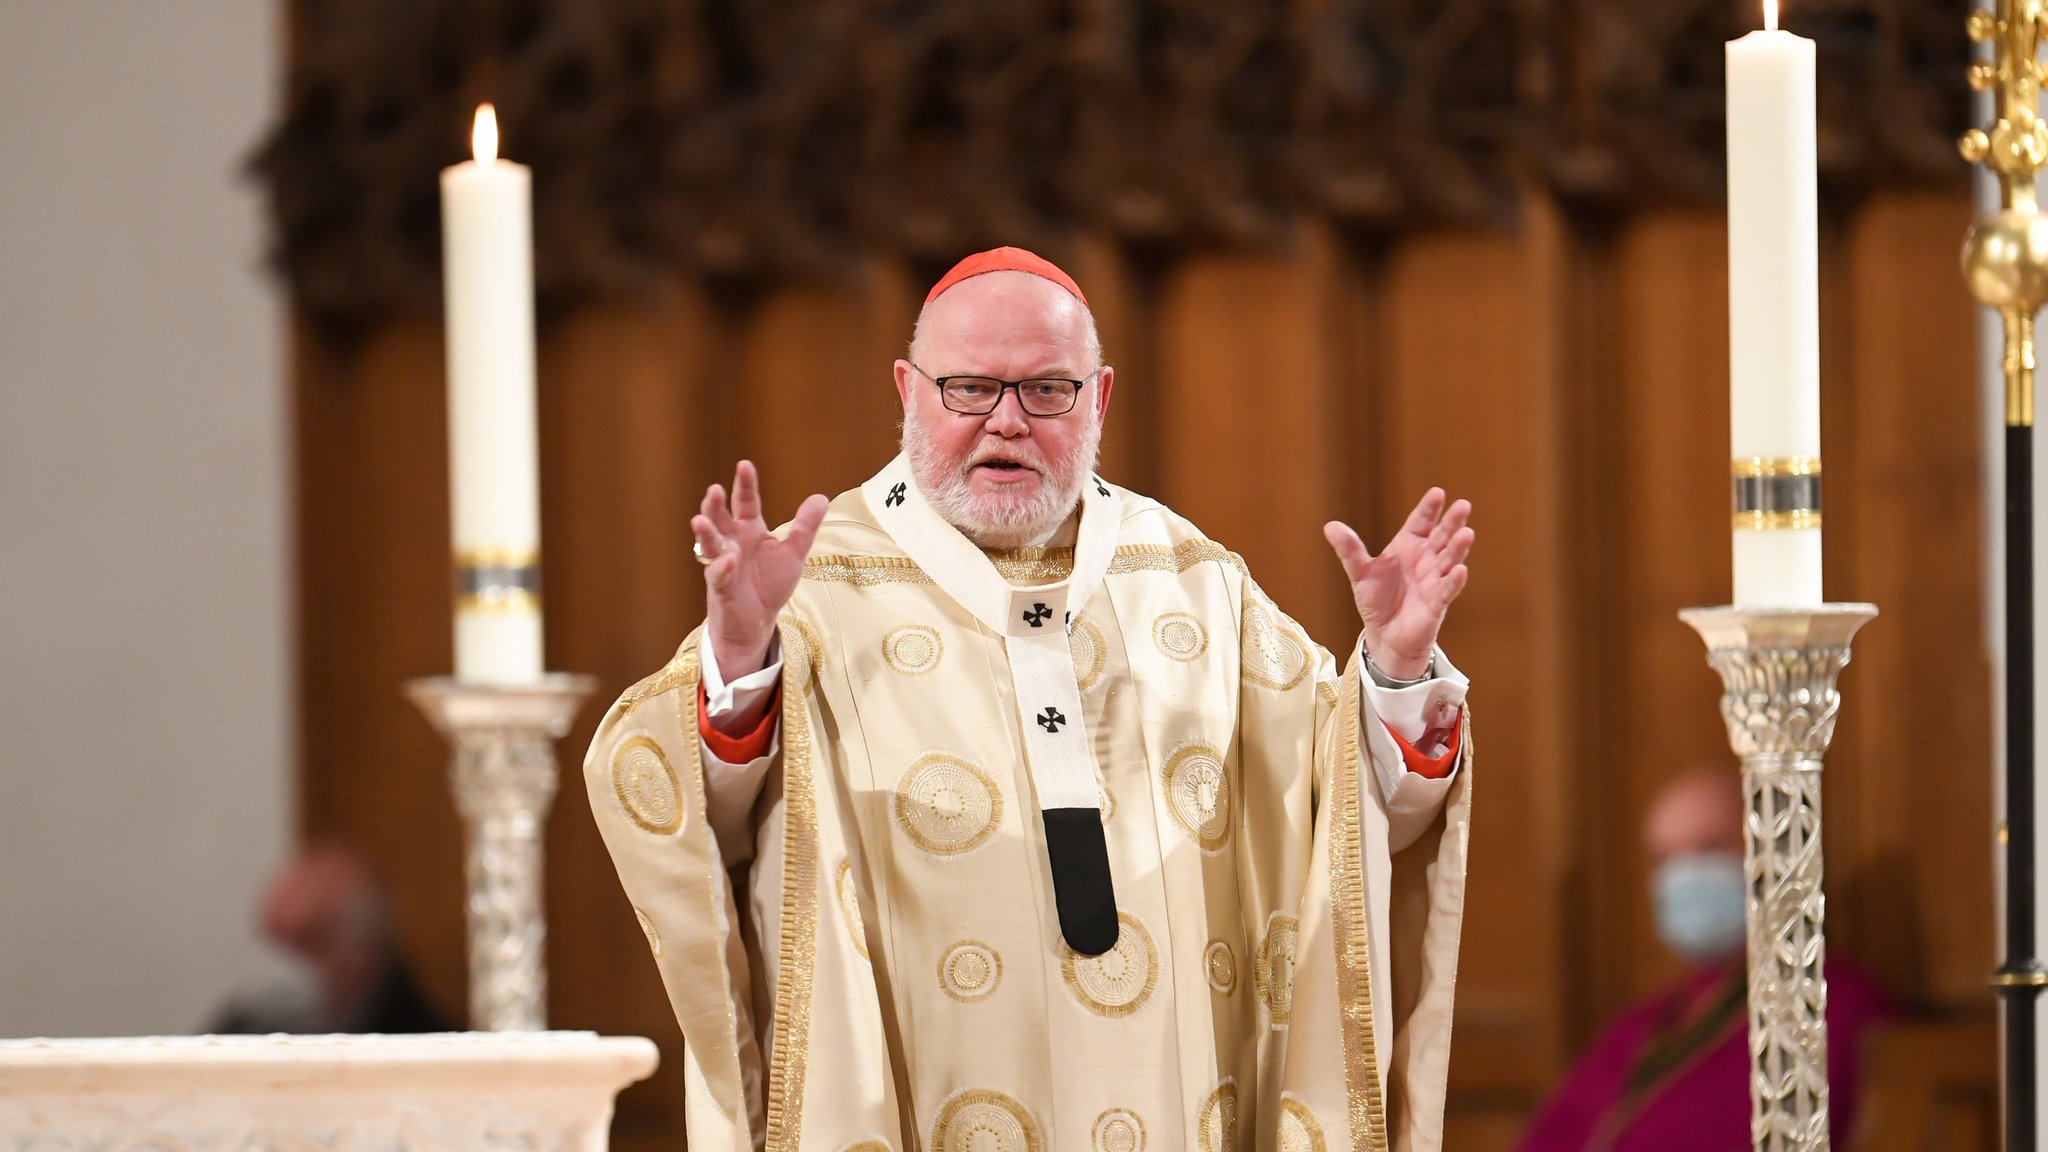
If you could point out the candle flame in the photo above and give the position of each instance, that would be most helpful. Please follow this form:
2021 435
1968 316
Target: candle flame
483 139
1770 16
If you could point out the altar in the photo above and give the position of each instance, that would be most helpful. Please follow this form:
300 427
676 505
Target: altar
432 1093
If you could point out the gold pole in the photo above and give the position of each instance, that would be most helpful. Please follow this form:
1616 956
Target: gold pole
2005 254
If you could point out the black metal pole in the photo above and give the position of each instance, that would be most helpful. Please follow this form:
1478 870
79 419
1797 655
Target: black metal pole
2020 980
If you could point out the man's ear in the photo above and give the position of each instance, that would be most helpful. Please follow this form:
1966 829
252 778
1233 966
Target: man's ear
903 383
1104 381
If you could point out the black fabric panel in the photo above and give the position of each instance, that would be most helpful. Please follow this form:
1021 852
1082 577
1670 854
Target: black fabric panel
1080 878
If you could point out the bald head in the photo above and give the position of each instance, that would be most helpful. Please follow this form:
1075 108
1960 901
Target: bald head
1008 310
1700 812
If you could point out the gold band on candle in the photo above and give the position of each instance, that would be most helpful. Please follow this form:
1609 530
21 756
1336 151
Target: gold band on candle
1776 493
497 558
498 581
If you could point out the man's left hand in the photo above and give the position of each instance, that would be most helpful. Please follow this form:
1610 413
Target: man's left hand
1403 593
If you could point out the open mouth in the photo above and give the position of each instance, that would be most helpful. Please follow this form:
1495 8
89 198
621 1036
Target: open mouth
1003 466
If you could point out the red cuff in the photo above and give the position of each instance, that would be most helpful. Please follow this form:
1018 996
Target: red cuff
739 749
1432 767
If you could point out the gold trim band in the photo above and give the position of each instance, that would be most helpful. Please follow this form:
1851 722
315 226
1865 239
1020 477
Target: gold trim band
510 602
497 557
2019 980
1775 521
1753 467
1046 564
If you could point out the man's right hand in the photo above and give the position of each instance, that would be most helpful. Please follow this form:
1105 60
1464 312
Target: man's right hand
752 572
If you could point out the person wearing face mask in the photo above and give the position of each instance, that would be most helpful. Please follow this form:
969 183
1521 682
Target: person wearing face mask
1671 1074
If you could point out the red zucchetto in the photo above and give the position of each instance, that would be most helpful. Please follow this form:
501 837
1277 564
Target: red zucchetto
1006 260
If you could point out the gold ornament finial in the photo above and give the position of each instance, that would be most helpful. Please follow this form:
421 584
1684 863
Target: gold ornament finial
2005 254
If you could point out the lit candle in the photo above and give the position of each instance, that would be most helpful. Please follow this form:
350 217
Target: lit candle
487 256
1774 318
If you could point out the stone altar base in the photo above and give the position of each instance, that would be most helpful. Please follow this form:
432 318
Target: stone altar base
469 1091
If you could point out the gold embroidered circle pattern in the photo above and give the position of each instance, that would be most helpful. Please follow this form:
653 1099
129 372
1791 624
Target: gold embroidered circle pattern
913 649
1299 1129
1217 1127
803 660
946 805
1198 794
980 1120
647 787
1090 653
647 926
1180 636
849 908
970 971
871 1144
1221 965
1118 982
1274 657
1274 968
1119 1130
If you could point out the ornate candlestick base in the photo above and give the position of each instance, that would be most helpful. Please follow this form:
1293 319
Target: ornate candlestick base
504 776
1778 668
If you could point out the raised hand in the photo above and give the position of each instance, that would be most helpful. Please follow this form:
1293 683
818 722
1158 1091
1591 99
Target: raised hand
1403 593
751 573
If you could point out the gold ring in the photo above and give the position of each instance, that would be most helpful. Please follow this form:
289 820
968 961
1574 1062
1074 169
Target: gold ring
697 550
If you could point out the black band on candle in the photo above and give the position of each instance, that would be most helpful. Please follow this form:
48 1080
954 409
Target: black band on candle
1777 494
498 587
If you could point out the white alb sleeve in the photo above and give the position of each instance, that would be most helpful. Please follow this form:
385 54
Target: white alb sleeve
731 789
1412 801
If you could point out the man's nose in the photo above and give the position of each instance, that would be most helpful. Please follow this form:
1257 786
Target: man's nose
1008 420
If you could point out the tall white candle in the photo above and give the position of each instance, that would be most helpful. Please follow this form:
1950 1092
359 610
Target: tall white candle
487 253
1774 314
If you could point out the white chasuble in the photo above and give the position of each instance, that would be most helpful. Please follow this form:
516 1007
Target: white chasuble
897 967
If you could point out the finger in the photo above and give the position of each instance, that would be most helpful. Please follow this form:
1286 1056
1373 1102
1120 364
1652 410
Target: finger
1456 549
1454 519
715 510
1351 551
710 545
746 492
1452 584
809 516
1426 512
722 551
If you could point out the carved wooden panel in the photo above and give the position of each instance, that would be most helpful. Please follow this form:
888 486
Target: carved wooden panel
748 141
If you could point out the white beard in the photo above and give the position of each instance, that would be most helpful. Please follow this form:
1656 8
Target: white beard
994 520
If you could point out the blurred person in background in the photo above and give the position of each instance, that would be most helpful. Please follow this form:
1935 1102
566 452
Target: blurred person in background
327 913
1671 1073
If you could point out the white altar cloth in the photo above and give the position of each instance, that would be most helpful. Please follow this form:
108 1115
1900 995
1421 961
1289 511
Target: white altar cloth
449 1092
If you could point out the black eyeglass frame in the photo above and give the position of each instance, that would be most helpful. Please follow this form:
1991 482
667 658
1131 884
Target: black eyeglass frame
1008 385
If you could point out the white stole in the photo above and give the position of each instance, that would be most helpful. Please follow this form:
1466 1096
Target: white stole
1035 624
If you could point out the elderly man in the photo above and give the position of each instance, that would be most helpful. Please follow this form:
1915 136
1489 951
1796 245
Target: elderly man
1057 833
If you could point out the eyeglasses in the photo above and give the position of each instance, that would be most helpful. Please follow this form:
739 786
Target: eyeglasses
979 395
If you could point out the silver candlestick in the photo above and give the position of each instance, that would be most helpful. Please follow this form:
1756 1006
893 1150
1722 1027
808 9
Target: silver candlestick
1778 669
504 778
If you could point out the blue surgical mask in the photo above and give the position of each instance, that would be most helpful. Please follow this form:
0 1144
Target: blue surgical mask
1701 902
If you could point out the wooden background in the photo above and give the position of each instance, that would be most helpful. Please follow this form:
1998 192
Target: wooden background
1568 374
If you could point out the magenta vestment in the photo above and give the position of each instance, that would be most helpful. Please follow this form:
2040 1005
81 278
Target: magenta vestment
1692 1077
